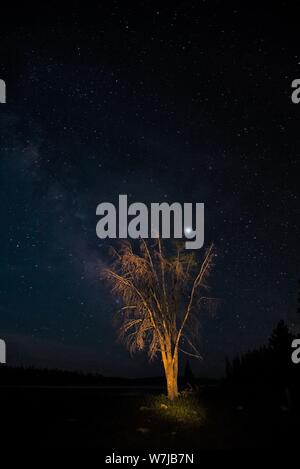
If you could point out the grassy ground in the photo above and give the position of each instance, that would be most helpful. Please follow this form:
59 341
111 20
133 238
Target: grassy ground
185 411
130 419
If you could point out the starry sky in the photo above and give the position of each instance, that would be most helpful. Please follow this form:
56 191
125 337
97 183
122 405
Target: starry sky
189 103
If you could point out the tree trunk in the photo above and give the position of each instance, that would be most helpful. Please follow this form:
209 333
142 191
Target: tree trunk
171 372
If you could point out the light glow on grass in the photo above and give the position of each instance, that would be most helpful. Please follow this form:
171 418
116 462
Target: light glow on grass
184 409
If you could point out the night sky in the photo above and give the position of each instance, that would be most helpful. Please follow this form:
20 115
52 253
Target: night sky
189 103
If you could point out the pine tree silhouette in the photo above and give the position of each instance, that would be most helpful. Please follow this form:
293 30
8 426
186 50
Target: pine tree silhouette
188 374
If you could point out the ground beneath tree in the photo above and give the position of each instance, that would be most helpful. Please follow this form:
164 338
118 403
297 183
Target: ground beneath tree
121 418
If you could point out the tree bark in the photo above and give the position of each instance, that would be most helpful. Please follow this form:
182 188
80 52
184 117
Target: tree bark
171 372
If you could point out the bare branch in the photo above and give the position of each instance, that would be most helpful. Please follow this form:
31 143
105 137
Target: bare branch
204 270
160 294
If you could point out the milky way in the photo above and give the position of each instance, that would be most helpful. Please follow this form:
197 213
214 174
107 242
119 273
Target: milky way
190 104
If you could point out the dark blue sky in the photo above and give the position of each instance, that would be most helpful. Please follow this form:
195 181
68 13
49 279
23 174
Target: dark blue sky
190 104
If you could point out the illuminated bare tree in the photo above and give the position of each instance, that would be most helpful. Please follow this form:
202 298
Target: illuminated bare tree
163 296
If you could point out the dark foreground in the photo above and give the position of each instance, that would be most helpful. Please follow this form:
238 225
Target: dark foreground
118 418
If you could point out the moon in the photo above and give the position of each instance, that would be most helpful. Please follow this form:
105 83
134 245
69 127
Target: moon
188 230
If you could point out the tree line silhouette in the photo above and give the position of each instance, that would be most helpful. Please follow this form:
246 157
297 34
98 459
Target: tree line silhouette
270 363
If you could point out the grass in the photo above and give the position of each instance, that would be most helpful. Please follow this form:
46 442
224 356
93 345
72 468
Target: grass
185 410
